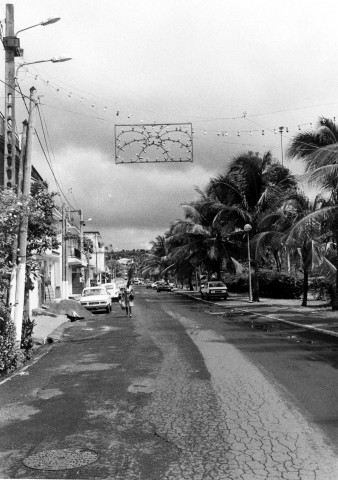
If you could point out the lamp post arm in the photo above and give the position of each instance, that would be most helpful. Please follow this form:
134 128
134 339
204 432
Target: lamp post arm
27 28
29 63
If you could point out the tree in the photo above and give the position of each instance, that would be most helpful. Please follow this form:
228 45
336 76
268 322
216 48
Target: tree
155 262
319 149
199 237
42 233
304 235
12 209
252 187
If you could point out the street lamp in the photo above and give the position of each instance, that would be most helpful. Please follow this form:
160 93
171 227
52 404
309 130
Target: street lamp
247 229
13 49
53 60
49 21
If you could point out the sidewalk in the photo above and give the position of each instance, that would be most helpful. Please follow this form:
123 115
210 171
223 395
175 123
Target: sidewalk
47 328
317 316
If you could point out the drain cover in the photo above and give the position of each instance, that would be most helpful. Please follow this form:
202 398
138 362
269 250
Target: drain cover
60 459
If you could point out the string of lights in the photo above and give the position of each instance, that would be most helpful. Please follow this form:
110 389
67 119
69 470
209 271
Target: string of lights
47 157
109 106
225 135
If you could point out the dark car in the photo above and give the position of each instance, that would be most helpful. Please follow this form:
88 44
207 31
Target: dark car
163 287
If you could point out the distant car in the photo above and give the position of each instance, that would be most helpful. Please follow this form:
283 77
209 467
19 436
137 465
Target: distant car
215 289
163 287
154 284
113 291
148 283
172 285
96 298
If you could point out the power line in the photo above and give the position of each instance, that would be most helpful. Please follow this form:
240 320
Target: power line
43 150
49 161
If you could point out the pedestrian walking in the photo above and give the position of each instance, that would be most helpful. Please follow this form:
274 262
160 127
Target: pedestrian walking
128 298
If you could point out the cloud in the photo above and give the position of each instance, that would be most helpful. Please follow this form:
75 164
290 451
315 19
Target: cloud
127 198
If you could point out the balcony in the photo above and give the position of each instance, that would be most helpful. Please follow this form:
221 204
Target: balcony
76 258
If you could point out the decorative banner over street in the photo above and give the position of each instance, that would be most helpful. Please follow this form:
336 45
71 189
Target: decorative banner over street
153 143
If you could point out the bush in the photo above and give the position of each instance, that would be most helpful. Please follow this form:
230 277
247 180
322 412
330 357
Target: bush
11 357
271 284
26 336
280 285
236 283
321 288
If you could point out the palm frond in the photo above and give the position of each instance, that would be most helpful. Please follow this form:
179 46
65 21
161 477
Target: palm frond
303 223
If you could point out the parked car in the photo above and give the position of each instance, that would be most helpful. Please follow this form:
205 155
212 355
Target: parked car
148 283
215 289
154 284
163 287
113 291
96 298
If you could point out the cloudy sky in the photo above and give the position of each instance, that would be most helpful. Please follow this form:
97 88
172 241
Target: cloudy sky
231 68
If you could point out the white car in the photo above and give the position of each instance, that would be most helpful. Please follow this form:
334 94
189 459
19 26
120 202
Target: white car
215 289
113 291
96 298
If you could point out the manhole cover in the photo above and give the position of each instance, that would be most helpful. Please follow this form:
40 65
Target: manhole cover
60 459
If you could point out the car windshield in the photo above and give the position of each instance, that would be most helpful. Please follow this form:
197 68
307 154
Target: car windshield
216 284
94 291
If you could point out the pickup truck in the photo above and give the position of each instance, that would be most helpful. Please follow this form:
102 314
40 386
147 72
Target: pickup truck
215 289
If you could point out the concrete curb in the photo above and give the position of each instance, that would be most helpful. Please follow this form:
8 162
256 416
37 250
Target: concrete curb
270 317
53 336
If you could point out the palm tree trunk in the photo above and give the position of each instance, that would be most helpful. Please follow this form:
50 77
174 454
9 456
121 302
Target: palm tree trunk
335 294
255 286
191 288
305 287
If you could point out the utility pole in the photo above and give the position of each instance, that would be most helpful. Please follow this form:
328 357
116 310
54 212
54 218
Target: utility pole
12 284
22 257
64 254
12 49
22 155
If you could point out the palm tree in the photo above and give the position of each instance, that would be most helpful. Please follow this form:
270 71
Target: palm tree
305 235
198 237
252 187
319 150
155 262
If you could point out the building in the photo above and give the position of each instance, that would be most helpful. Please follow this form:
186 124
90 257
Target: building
97 261
61 275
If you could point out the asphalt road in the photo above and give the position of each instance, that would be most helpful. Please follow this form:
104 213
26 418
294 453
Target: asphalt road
175 392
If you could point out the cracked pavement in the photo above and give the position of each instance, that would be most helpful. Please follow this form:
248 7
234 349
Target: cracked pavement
161 396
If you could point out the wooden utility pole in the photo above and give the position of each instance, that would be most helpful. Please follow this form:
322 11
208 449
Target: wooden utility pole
22 155
12 284
27 173
64 292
